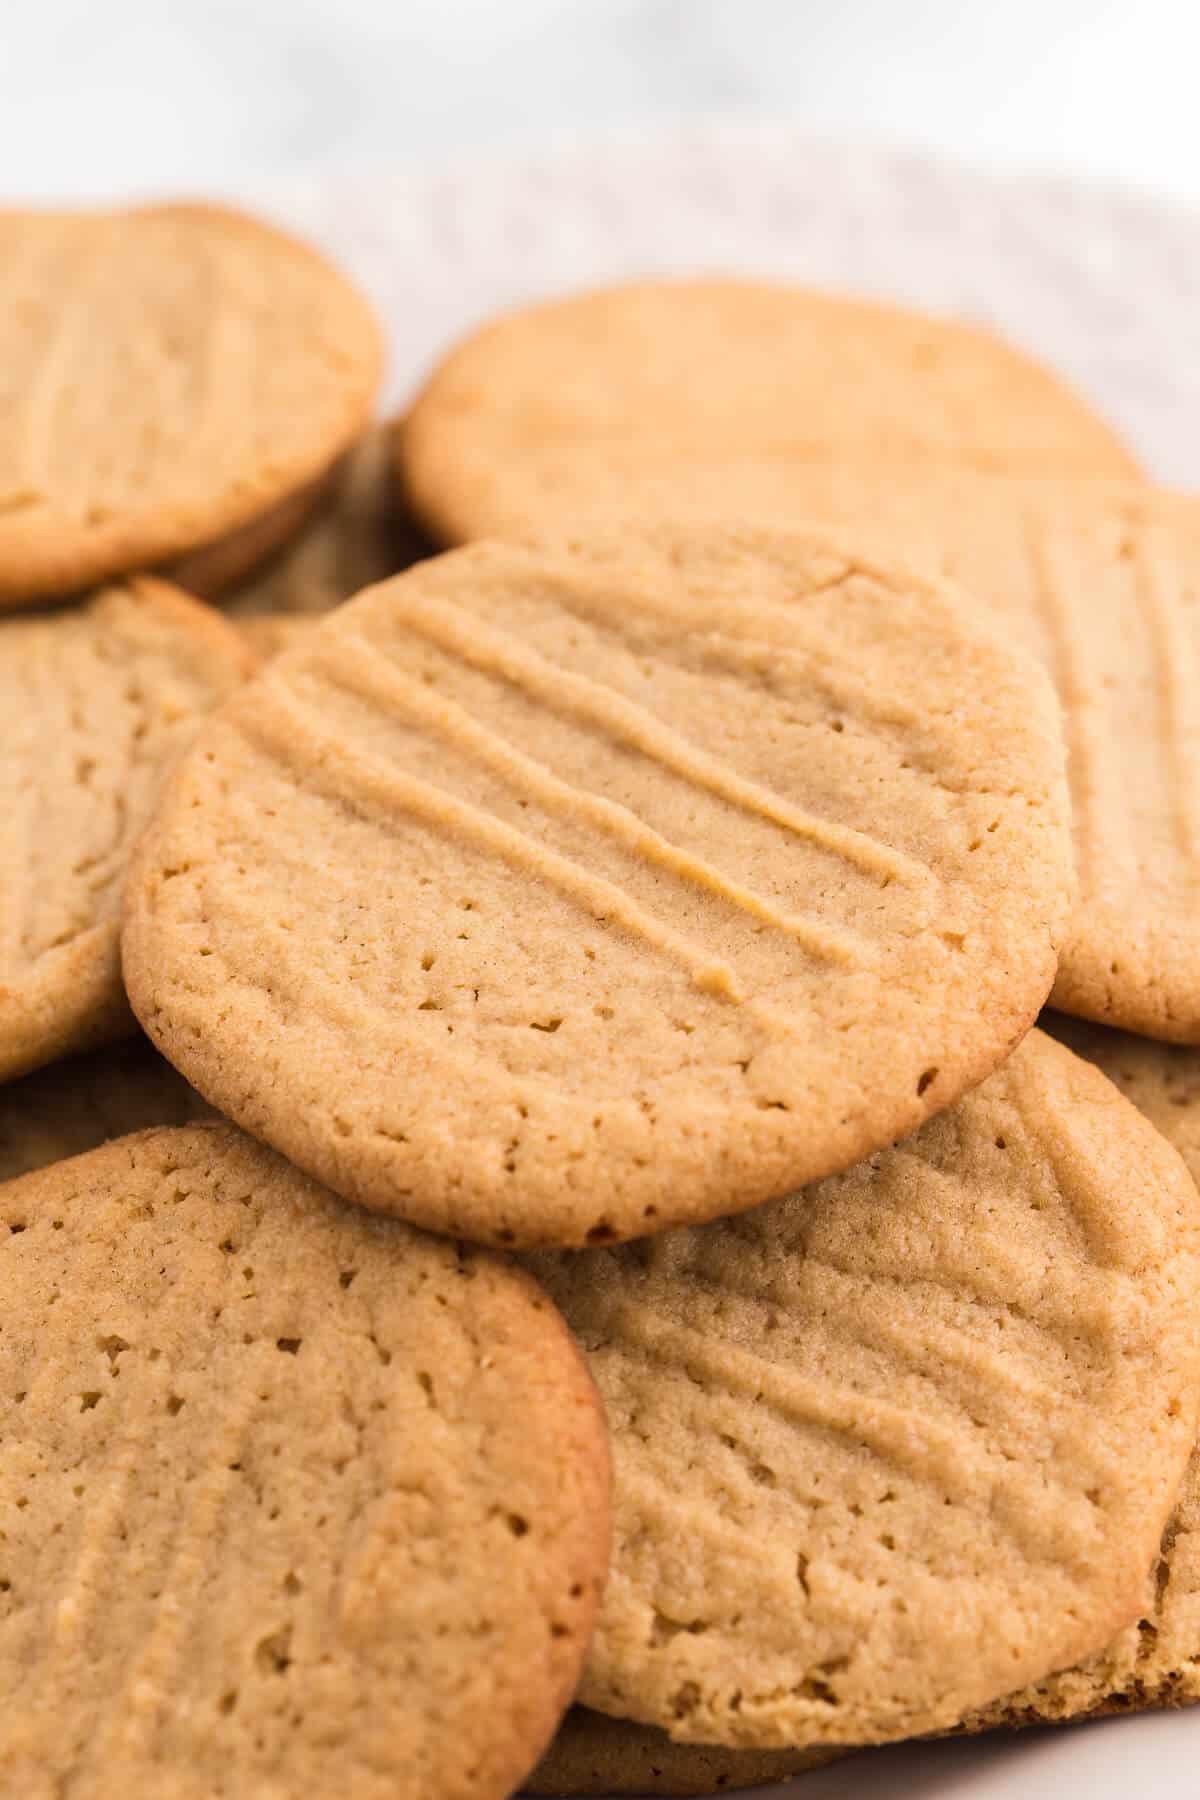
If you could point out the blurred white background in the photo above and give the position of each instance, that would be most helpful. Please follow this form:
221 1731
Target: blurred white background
146 95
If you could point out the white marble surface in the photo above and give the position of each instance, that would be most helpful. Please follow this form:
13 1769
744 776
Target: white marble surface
135 95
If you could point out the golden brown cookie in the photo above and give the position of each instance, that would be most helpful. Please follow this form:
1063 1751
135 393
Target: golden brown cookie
358 535
211 368
712 366
79 1104
593 1754
1102 582
295 1501
1156 1661
97 701
888 1448
561 894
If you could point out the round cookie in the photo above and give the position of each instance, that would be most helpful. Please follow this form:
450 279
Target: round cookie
1156 1661
560 894
214 368
670 370
98 700
888 1448
296 1501
593 1754
355 537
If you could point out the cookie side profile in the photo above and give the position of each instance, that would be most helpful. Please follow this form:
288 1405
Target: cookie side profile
356 536
559 894
592 1754
82 1102
727 367
214 367
296 1500
933 1415
230 561
98 701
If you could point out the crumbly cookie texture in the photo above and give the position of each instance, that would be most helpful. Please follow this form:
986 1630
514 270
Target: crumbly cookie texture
593 1754
98 700
890 1448
356 536
673 370
1156 1661
214 368
296 1501
1101 581
561 894
80 1103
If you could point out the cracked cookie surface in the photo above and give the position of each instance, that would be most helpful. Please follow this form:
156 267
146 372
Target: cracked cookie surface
889 1448
1100 580
295 1500
1156 1660
559 894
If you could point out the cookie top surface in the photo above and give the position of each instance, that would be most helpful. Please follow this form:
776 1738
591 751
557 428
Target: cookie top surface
888 1448
80 1103
1155 1661
97 701
724 366
593 1754
1162 1080
1102 582
559 894
211 365
356 536
296 1500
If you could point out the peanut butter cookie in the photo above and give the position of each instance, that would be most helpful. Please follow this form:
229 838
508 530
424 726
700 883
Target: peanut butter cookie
296 1501
561 894
1156 1660
171 375
887 1449
666 371
97 700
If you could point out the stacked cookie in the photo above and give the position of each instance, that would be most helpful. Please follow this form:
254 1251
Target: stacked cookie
592 1221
